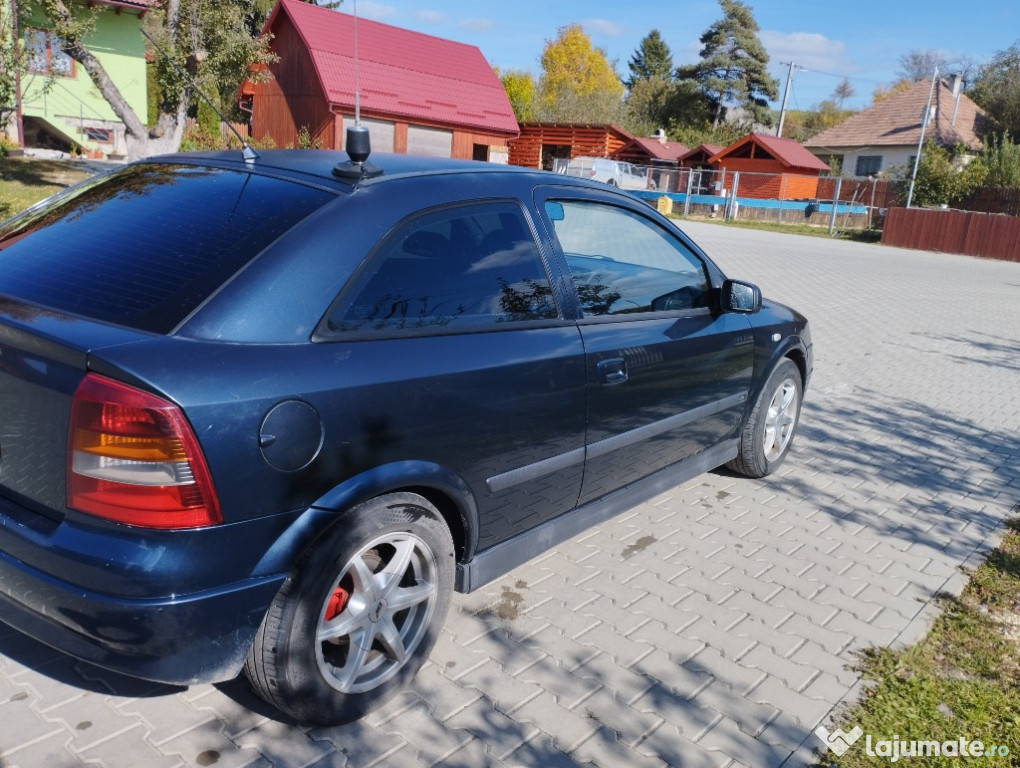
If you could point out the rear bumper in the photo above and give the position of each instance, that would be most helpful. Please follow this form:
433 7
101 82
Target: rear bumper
198 638
176 607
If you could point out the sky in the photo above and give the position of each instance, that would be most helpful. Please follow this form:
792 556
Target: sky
861 40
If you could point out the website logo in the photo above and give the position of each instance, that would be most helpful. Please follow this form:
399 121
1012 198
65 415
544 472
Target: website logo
838 741
896 748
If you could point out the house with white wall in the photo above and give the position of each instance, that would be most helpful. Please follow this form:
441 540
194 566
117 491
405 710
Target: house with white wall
878 139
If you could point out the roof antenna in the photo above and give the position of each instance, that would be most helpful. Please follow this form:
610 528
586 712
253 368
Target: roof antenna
358 141
247 152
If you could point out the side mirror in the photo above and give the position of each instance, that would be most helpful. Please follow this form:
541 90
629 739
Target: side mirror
738 296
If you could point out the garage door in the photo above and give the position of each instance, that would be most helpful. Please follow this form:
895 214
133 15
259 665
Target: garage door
429 141
380 131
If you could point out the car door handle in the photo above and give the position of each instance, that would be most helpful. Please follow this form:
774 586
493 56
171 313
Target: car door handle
612 371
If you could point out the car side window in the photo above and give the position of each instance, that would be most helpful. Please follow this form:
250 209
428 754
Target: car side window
457 267
620 262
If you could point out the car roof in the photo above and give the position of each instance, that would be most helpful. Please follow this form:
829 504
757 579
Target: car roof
316 165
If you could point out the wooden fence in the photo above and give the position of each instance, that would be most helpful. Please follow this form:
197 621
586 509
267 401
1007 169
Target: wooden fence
989 235
874 193
994 200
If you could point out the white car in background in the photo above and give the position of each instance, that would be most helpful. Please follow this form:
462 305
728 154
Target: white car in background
615 173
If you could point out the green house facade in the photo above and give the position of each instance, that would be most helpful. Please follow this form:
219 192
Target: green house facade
60 106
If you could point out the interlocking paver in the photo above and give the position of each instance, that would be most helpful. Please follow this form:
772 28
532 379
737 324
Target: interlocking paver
626 683
710 626
604 749
673 748
732 741
630 725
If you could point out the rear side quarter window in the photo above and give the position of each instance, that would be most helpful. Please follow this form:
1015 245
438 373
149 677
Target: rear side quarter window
464 267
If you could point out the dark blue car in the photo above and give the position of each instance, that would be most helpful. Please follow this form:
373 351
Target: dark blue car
268 414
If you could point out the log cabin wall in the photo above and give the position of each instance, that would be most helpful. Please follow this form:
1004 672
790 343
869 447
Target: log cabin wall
582 141
293 98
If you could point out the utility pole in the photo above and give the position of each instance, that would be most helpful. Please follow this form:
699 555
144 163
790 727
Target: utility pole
786 96
925 119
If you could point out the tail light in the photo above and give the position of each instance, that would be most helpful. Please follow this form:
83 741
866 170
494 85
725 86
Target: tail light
133 458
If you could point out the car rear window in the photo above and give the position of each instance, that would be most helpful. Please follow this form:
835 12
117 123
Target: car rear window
144 247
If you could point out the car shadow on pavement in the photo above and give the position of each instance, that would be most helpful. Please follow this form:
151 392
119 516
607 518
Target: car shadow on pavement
22 651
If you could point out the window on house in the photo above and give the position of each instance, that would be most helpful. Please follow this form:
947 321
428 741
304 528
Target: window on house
43 54
868 165
102 135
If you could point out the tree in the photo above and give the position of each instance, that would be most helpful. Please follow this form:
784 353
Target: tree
578 84
522 92
258 12
206 43
919 65
654 103
1001 159
12 59
734 64
997 89
845 90
652 60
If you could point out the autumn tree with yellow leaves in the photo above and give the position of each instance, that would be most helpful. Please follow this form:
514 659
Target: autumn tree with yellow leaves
578 83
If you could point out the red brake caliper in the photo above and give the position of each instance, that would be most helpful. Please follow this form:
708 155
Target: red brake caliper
336 603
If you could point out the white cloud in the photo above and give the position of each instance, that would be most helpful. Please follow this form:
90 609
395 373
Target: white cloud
476 25
371 10
429 17
604 27
808 49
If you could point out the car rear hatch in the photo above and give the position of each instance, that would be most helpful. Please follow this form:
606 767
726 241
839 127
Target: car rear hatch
43 358
121 257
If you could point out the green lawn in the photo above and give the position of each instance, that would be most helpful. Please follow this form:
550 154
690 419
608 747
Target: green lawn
24 181
961 681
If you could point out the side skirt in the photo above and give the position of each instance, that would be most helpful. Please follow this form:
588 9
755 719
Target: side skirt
504 557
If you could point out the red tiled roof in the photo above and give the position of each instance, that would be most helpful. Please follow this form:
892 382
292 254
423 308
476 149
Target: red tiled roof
401 73
896 121
787 151
707 150
669 150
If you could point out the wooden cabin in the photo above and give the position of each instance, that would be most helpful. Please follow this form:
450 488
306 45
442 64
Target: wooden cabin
419 94
539 144
770 168
699 156
657 151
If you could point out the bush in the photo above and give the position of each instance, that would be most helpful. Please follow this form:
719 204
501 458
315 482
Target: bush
1002 162
944 177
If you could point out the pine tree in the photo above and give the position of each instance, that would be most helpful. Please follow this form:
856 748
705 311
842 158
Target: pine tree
652 60
734 64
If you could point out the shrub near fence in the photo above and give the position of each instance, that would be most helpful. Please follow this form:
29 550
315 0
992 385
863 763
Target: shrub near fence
225 132
989 235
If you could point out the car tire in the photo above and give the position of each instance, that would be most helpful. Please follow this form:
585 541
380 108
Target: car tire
358 616
768 432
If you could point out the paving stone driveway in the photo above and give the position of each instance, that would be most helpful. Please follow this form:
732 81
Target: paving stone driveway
711 626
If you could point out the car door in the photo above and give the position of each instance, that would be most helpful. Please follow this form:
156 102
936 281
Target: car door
468 363
667 373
